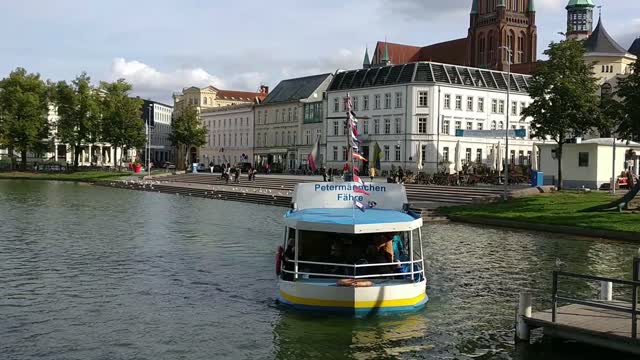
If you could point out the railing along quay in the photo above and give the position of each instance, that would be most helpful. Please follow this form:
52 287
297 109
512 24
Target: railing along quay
604 322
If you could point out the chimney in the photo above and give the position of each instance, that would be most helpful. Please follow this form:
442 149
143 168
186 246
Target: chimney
264 89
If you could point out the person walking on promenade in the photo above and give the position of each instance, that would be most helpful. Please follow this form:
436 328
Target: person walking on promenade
253 174
227 174
372 173
237 175
211 166
323 171
400 175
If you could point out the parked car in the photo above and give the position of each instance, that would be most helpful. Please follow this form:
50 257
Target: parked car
168 165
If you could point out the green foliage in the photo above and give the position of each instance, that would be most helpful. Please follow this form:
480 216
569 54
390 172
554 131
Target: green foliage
610 115
122 123
629 92
564 92
78 112
187 131
23 113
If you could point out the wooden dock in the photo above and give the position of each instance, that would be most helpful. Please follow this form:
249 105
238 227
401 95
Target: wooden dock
605 322
601 327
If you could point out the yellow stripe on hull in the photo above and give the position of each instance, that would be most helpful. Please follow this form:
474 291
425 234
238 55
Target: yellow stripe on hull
351 304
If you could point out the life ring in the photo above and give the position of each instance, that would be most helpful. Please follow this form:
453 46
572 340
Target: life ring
354 283
279 255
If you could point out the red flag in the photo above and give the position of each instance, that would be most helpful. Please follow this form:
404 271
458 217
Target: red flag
359 157
313 155
357 179
359 190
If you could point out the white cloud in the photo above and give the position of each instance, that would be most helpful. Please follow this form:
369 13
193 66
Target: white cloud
147 80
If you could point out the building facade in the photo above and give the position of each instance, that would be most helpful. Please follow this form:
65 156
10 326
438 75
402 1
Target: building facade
159 116
493 26
418 107
229 134
289 121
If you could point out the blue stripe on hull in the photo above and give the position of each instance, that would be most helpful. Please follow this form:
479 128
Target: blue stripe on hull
359 312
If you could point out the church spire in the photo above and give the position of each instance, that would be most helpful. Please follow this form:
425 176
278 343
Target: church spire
474 7
532 6
385 56
366 63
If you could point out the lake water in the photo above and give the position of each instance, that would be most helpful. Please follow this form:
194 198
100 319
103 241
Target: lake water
97 273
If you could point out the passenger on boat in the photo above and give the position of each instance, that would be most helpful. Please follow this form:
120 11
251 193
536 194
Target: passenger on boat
289 257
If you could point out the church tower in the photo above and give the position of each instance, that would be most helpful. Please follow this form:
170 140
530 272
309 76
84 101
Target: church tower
499 24
579 19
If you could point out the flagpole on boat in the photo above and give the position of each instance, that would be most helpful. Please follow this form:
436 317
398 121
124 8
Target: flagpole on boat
350 150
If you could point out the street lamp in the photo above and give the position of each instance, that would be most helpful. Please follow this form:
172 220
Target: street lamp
506 135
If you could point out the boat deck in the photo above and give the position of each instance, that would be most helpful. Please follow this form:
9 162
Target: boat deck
376 282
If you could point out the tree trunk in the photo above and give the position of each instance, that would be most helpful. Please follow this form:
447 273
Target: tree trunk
559 155
23 160
76 156
12 161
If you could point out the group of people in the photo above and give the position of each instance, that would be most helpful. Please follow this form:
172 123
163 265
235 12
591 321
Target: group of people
228 170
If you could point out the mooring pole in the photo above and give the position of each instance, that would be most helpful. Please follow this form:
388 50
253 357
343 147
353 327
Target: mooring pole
523 333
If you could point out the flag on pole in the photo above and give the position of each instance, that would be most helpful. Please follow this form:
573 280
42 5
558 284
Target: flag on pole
357 179
359 190
359 205
377 156
359 157
354 130
313 155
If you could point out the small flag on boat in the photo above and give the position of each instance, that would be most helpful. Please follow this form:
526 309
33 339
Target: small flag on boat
359 205
359 157
360 190
357 179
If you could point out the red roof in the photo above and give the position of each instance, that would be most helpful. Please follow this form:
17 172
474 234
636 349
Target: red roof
449 52
240 95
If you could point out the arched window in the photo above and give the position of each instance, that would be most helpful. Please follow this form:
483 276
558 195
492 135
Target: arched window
500 125
205 101
482 60
521 47
492 48
493 125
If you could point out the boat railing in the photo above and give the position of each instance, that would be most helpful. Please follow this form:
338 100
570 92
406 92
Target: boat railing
355 268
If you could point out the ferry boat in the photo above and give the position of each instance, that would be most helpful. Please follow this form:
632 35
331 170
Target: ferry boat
353 248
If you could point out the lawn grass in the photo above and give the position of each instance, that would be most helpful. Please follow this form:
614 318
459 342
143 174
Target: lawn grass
84 176
561 208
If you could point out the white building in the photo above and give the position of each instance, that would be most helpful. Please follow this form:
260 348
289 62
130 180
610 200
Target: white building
424 103
589 163
229 134
161 114
289 121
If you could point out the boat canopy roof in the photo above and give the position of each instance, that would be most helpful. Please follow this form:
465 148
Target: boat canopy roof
352 221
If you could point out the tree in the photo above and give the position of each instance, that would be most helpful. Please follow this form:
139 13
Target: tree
564 92
23 114
187 131
78 113
629 94
122 123
610 114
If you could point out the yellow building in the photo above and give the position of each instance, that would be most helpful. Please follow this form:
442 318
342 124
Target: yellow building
207 98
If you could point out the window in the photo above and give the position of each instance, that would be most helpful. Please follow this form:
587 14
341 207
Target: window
423 99
458 102
501 125
493 125
522 106
521 157
277 115
344 153
376 101
365 126
307 137
469 103
467 155
336 125
514 108
335 153
422 126
344 105
445 154
295 115
282 115
424 152
501 107
289 117
397 153
398 125
387 126
387 101
355 103
266 112
480 126
458 125
469 125
445 127
583 159
365 102
479 156
447 101
386 153
512 158
494 106
376 126
336 106
398 100
480 104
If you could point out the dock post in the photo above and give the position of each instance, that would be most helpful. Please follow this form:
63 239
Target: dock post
606 290
523 332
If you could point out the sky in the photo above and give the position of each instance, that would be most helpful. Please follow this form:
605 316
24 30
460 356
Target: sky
163 46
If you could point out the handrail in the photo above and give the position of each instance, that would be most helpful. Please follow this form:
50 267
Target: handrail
353 265
421 271
633 310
